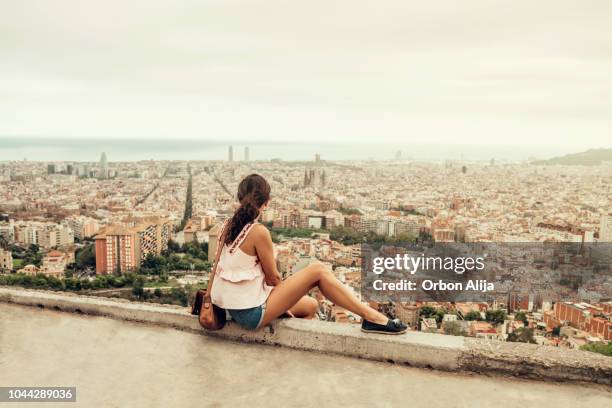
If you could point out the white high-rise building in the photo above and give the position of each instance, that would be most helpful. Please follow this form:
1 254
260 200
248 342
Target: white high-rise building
605 228
55 236
246 153
83 227
7 231
230 154
27 233
45 234
103 167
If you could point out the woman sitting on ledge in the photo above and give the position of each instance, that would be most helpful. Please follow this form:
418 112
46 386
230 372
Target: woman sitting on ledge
248 284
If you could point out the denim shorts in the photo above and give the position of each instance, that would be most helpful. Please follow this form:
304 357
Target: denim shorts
248 318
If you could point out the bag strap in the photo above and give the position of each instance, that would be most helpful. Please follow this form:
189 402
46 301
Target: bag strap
213 270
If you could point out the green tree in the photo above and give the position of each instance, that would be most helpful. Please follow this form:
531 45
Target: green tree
347 236
173 246
31 255
179 295
473 315
138 287
96 284
195 250
154 265
404 237
439 315
427 311
349 211
69 272
129 278
521 317
138 291
3 242
85 257
453 329
522 335
495 316
163 278
605 349
432 312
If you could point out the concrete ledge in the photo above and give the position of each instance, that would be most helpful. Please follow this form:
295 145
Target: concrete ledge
436 351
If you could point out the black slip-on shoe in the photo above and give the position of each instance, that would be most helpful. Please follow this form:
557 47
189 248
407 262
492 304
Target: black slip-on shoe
393 326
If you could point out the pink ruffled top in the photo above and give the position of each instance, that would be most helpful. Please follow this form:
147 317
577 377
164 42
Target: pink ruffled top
240 281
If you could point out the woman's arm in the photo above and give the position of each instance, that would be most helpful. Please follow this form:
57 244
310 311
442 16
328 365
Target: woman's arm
265 252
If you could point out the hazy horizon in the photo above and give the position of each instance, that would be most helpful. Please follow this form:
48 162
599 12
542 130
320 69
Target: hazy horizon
134 149
400 72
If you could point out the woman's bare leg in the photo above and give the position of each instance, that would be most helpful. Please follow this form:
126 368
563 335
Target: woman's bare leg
287 293
305 308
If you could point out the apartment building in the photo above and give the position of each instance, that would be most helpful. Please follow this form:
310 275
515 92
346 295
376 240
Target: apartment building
44 234
27 233
83 227
6 260
605 228
195 227
55 236
583 316
122 248
290 219
7 231
153 236
117 250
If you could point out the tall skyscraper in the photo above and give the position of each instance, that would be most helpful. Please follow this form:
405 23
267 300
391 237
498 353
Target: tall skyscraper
230 154
317 157
103 167
246 153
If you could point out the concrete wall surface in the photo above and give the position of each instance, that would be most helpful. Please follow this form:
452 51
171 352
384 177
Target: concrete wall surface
449 353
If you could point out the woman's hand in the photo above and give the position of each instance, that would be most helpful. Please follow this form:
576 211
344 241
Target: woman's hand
272 282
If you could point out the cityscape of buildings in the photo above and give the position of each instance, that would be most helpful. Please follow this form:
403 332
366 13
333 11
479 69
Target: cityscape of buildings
128 213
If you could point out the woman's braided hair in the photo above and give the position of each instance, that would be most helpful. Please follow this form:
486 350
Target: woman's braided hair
253 192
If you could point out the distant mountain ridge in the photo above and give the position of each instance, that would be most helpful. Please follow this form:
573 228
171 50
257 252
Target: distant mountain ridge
591 157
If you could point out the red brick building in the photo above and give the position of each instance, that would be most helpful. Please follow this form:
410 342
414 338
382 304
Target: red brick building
585 317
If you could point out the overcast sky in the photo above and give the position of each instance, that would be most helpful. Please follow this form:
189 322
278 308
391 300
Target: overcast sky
474 72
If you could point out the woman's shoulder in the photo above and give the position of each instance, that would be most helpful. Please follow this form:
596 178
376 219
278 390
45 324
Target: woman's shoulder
258 232
259 229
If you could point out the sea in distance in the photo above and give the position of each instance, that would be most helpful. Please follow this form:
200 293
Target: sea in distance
134 149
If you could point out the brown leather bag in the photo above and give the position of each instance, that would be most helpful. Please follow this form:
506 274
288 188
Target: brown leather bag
212 317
